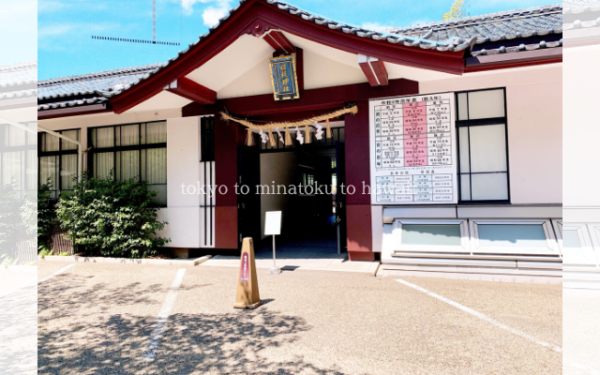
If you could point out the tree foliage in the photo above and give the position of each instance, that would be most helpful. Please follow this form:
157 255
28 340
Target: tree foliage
112 218
46 212
457 10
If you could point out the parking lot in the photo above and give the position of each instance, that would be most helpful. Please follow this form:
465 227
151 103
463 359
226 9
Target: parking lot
104 319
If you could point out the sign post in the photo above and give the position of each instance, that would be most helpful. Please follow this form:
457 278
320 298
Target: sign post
273 228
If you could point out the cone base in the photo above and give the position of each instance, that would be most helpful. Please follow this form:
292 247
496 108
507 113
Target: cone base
244 306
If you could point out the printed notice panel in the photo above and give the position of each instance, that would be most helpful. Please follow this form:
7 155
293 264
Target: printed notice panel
413 150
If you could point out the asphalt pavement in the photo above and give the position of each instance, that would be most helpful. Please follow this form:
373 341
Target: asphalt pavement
103 318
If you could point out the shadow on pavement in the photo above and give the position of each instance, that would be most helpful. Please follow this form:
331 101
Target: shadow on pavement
95 341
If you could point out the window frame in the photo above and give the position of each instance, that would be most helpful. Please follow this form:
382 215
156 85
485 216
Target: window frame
551 243
59 153
593 231
464 236
93 150
480 122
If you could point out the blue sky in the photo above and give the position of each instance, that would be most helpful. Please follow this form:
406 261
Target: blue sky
65 27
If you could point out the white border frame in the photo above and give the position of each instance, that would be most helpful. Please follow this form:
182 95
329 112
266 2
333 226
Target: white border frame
550 249
464 236
452 170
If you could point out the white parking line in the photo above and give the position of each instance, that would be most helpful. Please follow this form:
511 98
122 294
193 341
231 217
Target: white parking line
163 315
483 317
31 281
56 273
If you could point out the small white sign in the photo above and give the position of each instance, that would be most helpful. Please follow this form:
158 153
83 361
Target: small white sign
273 223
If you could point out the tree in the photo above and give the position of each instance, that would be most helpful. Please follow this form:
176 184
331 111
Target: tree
457 10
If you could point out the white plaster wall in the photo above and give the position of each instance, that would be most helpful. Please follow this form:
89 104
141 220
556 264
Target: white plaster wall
185 177
534 108
280 168
581 129
319 71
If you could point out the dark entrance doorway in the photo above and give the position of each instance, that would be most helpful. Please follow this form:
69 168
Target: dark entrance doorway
313 225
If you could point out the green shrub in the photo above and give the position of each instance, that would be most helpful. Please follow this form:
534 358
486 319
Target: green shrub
46 213
112 218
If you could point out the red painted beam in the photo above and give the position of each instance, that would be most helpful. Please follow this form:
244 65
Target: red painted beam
253 12
363 62
310 100
508 65
374 70
380 72
279 42
193 91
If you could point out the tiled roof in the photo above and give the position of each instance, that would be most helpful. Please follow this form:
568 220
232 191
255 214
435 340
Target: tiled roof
455 35
114 83
94 83
581 14
87 89
542 25
18 80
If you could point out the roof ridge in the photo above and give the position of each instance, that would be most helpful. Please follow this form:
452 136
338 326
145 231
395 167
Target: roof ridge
541 9
112 72
17 66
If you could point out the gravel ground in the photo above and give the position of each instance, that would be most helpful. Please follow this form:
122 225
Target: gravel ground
97 319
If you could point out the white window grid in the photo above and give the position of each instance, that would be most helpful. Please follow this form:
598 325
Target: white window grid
464 232
551 247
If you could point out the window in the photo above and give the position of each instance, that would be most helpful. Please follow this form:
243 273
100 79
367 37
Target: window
513 237
207 139
58 162
482 142
134 151
579 243
18 157
431 235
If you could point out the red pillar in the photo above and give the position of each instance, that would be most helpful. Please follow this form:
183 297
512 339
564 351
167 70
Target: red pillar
358 205
226 172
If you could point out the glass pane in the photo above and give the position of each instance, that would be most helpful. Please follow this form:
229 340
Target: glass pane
48 168
72 134
14 136
161 197
156 132
51 142
130 135
12 168
103 137
486 104
68 171
571 238
489 186
462 106
488 148
156 167
431 234
465 187
511 235
104 163
32 170
463 145
130 164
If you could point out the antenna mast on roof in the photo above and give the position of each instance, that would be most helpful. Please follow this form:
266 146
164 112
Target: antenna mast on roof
142 41
154 21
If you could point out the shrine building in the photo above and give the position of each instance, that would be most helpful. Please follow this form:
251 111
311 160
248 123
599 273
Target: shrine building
437 147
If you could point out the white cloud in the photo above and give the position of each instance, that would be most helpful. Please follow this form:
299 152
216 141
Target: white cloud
211 15
376 26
